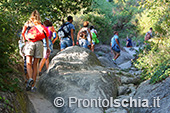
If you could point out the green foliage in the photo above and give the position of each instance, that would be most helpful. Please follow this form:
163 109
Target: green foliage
156 15
154 60
53 9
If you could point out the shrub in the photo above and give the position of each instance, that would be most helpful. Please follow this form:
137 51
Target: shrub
154 60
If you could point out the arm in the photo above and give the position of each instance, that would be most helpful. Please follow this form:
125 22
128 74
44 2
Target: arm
23 32
72 36
117 42
53 29
55 38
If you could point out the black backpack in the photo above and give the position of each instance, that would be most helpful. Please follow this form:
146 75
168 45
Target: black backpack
64 31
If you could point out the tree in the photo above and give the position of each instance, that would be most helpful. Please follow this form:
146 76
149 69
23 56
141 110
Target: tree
53 9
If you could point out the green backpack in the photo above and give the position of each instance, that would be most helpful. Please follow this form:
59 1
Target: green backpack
94 38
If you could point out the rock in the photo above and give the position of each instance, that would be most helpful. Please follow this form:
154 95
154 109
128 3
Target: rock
124 57
122 90
132 50
130 80
106 62
55 51
150 91
76 72
75 58
116 110
100 53
125 65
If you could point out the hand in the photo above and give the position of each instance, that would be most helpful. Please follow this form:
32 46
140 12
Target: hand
77 42
48 53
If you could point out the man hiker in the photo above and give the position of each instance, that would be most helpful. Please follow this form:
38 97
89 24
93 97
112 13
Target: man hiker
66 34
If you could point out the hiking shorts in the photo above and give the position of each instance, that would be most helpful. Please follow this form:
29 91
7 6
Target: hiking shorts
65 42
116 49
83 43
34 49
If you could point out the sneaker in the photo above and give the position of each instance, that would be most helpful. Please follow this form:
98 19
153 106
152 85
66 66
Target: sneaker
33 89
114 61
29 84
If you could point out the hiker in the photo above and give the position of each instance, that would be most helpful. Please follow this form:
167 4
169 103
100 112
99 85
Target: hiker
34 47
55 35
94 37
148 35
115 46
84 38
128 42
66 34
21 51
45 59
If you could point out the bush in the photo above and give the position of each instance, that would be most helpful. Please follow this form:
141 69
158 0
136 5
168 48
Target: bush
154 60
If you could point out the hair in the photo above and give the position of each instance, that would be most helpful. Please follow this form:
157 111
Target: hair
115 32
35 17
150 28
69 18
47 23
86 24
91 27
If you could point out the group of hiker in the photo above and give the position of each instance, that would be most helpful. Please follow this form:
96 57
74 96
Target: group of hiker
38 39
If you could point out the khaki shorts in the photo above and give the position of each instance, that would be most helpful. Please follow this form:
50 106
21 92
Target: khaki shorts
34 49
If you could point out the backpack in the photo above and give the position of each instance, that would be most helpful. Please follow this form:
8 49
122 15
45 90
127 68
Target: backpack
37 33
64 30
148 36
94 38
83 34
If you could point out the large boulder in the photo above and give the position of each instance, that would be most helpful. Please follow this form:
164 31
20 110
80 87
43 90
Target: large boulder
76 72
152 92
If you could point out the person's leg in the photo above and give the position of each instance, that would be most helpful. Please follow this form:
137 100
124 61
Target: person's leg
92 48
35 64
29 66
47 63
116 56
42 64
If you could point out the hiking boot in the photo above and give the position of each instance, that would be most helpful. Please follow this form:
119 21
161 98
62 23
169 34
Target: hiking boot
29 84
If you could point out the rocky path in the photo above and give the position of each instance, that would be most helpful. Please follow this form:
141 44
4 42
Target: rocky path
125 90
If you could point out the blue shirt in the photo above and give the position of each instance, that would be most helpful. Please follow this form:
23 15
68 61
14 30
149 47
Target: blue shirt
129 42
113 41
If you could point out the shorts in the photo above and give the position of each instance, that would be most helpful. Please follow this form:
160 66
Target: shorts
83 43
65 42
34 49
116 48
